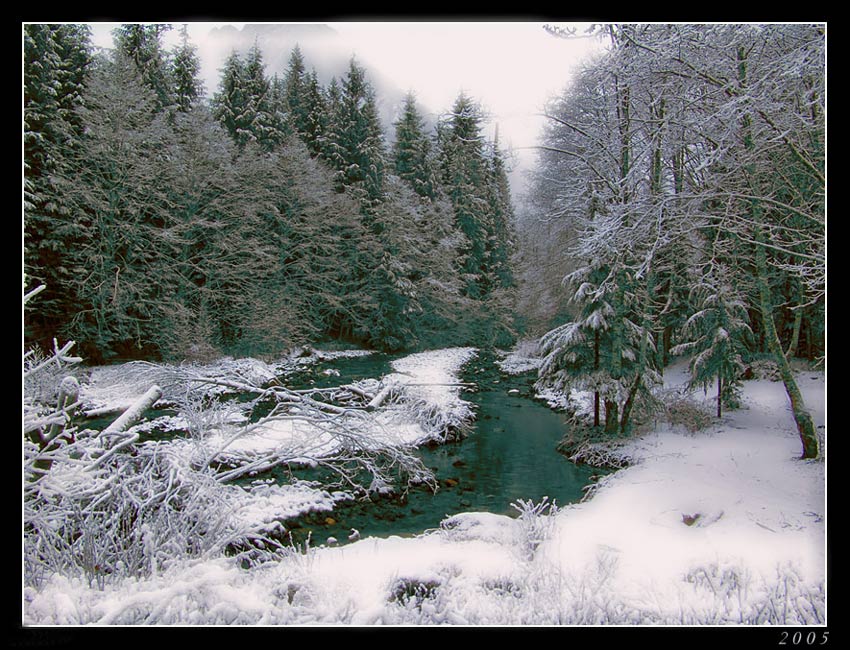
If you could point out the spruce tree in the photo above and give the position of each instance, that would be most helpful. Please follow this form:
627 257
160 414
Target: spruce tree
143 45
115 186
501 218
463 176
184 71
294 90
231 104
317 115
411 151
264 125
359 143
716 337
57 60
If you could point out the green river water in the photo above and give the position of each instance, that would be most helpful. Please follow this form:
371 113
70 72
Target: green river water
509 455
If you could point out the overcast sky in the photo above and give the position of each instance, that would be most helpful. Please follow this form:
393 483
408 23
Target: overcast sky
511 68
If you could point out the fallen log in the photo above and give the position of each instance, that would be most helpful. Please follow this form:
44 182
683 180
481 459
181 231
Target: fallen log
381 396
134 413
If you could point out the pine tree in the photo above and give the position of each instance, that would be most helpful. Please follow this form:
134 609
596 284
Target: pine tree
264 125
358 139
463 176
57 60
231 103
329 142
294 91
115 187
501 218
317 115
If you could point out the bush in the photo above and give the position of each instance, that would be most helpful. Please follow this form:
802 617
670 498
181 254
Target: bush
684 412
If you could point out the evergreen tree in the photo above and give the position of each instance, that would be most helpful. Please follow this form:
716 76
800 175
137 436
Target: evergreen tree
317 115
463 175
185 70
231 103
358 140
56 63
264 125
115 187
412 150
501 236
716 338
294 91
143 45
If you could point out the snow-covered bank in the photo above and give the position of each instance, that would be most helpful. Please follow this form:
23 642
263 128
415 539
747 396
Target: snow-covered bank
426 405
523 357
724 526
116 387
303 428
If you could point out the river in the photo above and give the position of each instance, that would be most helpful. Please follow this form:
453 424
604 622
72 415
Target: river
509 455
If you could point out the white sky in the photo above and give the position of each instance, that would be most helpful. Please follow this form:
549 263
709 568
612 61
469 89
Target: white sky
511 68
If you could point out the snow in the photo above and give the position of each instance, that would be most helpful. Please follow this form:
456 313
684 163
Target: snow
522 358
266 505
755 552
117 387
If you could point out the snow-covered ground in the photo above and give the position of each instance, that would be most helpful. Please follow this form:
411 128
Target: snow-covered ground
723 526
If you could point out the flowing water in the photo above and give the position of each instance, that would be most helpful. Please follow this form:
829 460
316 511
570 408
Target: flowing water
509 455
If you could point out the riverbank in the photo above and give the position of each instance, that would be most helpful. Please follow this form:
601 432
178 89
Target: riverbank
722 526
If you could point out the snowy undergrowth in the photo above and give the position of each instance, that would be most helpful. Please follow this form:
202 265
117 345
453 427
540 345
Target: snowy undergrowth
164 505
721 526
523 357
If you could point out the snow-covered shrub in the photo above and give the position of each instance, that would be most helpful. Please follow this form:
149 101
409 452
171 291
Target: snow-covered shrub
733 595
536 522
132 516
609 453
762 369
685 412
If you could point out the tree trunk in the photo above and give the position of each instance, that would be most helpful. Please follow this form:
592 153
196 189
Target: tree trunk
134 413
798 321
612 416
803 419
596 367
719 395
627 407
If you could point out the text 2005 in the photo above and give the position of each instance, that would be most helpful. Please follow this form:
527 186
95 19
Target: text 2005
801 638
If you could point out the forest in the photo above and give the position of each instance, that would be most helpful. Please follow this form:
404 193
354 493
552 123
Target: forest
182 245
165 226
684 172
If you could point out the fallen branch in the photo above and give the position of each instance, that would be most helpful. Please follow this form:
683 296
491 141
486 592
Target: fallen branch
381 397
134 413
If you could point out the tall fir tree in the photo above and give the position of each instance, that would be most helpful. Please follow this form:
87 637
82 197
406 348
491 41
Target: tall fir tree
231 104
412 155
265 127
57 60
294 90
185 71
142 43
360 154
317 114
463 175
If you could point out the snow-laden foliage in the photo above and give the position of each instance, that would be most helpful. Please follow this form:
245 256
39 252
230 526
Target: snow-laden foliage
686 160
715 339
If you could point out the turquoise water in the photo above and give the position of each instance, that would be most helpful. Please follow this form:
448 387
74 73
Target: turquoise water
509 455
